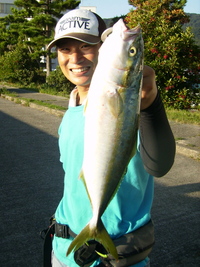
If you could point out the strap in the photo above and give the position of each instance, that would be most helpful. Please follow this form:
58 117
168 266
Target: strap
63 230
59 230
47 247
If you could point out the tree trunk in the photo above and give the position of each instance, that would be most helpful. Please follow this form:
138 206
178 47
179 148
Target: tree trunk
48 59
48 64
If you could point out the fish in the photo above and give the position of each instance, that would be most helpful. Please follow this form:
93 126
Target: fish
111 125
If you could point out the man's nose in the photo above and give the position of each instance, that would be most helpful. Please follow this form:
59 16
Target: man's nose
76 57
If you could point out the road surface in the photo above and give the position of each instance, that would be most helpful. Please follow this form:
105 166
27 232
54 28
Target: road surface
32 183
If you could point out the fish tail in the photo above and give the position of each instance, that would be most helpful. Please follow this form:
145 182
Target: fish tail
99 234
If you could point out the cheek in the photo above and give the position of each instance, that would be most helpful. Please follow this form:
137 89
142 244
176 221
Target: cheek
62 58
62 61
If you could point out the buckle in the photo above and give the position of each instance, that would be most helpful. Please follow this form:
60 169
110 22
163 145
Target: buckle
62 230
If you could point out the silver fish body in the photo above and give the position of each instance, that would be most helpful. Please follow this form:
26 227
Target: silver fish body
111 124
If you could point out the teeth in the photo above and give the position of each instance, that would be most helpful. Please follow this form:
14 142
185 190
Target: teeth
79 70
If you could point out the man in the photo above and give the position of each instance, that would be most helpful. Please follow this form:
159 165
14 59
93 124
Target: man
78 39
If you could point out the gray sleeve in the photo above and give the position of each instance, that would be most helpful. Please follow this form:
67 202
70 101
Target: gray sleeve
157 144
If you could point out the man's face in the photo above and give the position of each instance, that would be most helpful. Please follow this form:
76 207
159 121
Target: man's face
77 60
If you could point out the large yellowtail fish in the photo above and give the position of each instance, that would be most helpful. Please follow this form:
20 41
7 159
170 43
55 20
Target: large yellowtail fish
111 124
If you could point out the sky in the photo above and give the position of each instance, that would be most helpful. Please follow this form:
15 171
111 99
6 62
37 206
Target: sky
113 8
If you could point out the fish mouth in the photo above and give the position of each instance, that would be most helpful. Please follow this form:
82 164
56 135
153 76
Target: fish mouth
79 70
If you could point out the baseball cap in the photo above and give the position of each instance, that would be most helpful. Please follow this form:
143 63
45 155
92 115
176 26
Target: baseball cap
80 24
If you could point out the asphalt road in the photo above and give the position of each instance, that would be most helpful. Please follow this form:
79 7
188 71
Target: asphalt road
32 182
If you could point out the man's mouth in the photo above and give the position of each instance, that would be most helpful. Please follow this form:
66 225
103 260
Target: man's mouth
80 70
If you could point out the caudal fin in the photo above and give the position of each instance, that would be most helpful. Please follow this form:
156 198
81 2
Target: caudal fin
94 233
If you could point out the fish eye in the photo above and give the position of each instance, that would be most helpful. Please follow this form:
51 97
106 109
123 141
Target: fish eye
132 51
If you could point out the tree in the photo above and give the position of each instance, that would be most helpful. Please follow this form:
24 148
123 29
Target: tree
169 49
32 24
17 66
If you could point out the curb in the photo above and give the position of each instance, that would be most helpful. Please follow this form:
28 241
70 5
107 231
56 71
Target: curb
56 112
187 152
179 149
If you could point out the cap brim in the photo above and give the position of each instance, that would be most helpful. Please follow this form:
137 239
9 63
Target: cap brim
106 33
86 38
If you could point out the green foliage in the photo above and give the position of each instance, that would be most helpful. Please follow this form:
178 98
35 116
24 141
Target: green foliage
17 66
58 82
32 24
169 49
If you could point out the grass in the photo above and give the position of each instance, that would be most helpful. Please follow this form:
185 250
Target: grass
184 116
51 91
179 138
42 103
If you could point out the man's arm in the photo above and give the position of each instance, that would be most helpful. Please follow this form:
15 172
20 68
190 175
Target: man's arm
157 144
149 88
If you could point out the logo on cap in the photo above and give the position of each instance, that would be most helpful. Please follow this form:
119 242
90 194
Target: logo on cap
74 23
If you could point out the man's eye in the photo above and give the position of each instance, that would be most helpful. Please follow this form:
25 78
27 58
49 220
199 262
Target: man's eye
64 49
85 46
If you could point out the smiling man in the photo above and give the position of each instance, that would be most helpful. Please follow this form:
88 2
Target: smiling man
77 61
78 39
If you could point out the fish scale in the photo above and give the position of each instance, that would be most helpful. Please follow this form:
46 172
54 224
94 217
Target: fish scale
111 125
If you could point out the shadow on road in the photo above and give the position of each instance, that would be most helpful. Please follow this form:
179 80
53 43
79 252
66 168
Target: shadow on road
31 180
176 215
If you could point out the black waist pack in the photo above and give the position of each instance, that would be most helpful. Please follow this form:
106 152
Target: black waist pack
132 247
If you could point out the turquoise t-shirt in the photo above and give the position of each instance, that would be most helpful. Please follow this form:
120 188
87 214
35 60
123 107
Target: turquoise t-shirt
128 210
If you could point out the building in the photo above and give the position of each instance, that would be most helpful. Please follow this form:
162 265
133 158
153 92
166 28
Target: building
91 8
5 7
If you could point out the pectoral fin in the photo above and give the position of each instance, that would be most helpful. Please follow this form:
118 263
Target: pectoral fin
81 176
115 104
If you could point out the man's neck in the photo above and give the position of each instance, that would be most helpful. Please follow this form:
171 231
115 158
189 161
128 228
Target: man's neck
81 95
